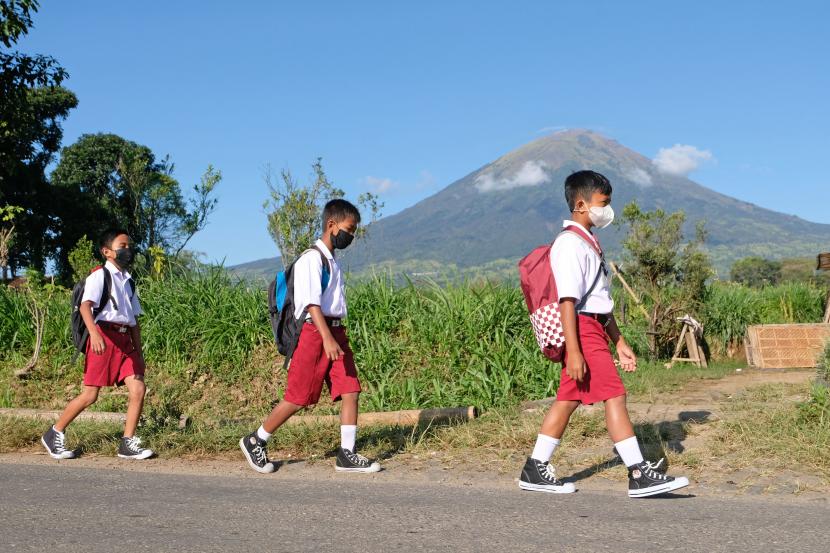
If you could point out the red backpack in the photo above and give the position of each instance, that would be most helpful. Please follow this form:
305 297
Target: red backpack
542 298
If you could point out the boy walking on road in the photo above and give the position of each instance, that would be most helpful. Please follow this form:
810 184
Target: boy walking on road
589 374
322 353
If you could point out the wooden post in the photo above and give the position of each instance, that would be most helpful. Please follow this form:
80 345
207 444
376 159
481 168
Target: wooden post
628 289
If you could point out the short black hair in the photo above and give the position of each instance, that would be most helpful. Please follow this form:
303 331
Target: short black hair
105 241
338 210
583 184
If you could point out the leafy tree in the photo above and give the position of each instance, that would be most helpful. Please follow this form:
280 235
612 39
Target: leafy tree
671 275
32 106
82 259
295 211
7 232
756 271
106 180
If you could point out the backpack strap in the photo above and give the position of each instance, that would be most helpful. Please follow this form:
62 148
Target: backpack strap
594 243
106 296
326 263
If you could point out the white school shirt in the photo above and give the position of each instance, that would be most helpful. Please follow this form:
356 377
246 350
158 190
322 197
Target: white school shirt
308 286
119 290
575 264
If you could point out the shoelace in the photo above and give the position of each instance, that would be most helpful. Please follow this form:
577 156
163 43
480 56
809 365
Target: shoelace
548 471
649 469
259 454
59 441
134 444
357 458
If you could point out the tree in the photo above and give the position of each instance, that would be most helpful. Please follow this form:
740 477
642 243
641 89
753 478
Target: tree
106 180
756 271
32 106
7 215
671 275
295 211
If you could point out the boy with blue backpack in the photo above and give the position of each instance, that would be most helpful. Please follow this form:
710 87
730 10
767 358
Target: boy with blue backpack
308 305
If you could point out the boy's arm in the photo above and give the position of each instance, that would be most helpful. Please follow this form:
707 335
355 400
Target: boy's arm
628 361
575 366
330 345
96 341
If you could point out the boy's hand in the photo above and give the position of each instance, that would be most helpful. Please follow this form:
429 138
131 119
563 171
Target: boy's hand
628 361
575 366
332 348
96 343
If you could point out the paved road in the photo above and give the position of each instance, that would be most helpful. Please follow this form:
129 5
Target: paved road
65 508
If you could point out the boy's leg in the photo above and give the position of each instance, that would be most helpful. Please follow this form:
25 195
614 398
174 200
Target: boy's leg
643 480
136 390
537 474
54 439
283 411
254 445
130 446
75 407
348 460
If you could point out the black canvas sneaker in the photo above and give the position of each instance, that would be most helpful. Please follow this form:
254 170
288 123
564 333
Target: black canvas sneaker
54 442
644 480
349 461
255 452
130 448
541 477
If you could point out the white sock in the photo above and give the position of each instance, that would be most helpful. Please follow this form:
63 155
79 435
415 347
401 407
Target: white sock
262 434
56 430
629 450
543 450
348 434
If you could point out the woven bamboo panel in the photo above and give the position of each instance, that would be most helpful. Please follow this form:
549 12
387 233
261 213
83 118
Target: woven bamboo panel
785 346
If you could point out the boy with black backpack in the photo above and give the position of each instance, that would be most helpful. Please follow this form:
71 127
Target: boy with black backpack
105 307
308 305
569 298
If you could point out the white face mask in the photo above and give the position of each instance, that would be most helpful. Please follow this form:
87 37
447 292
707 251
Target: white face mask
601 216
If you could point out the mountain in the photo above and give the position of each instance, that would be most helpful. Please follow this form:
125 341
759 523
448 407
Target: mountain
491 217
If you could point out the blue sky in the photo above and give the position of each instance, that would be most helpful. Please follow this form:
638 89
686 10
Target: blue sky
408 97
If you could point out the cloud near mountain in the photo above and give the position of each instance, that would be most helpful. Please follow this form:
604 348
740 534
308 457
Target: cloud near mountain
531 173
680 159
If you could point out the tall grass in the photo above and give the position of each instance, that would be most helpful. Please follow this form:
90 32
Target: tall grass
209 345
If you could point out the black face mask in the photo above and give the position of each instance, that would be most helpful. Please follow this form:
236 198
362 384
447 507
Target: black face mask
124 257
342 239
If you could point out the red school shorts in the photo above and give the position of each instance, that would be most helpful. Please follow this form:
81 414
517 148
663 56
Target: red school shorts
310 367
602 380
119 360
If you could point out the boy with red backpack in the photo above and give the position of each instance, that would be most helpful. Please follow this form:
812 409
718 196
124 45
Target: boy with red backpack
308 326
568 295
106 330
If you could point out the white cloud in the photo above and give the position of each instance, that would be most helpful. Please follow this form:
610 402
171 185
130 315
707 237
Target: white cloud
638 176
380 185
554 129
532 173
680 159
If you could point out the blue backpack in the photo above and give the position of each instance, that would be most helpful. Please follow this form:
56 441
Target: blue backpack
285 326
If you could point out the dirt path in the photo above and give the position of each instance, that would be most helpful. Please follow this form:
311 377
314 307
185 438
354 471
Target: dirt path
684 420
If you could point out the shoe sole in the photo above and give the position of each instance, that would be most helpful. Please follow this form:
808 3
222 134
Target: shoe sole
527 486
373 468
261 470
146 454
676 484
58 456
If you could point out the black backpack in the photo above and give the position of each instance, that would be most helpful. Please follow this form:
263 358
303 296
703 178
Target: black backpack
285 326
80 334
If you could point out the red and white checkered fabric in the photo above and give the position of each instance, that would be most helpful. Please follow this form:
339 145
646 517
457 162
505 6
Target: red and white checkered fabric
547 326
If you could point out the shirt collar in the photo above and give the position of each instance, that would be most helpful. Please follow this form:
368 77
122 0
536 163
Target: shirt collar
322 245
568 223
115 270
